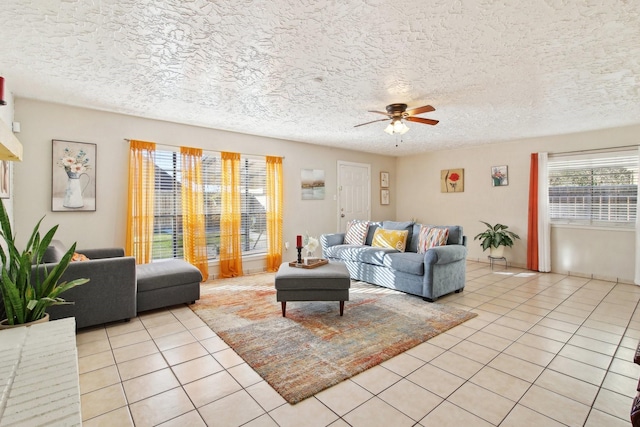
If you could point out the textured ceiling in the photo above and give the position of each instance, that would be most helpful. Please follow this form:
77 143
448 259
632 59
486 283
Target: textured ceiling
308 70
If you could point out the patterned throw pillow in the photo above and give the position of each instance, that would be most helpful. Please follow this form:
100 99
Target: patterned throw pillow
356 232
431 237
393 239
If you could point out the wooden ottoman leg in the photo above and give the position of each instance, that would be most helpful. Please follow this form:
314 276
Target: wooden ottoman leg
284 308
341 307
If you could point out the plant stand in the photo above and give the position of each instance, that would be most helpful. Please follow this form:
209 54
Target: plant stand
493 259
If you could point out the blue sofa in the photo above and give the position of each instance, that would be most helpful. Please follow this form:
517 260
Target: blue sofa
439 271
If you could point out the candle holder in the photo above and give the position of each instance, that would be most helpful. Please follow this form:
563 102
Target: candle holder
299 248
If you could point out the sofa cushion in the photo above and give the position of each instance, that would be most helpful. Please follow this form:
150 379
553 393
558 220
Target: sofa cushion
407 262
394 239
358 253
397 225
54 252
356 233
166 273
431 237
373 226
455 235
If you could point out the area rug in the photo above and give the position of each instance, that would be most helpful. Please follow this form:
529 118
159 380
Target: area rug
314 347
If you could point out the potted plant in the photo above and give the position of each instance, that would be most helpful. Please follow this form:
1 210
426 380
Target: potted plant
27 295
496 237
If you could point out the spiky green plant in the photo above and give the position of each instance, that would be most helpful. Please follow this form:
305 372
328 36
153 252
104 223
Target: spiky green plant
27 296
496 235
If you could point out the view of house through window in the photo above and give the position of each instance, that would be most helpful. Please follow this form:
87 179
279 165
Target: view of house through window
167 239
599 189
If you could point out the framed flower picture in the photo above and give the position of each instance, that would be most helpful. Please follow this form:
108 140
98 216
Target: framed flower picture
452 181
499 176
73 176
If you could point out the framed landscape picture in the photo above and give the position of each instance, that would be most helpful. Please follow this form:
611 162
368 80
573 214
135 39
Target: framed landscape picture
73 176
312 184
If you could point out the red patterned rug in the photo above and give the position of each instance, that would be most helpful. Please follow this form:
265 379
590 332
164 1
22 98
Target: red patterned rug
314 348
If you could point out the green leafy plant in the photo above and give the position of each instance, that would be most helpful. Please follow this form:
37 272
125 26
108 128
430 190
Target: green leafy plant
27 292
496 235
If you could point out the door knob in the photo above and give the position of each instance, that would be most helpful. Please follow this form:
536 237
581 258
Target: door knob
341 215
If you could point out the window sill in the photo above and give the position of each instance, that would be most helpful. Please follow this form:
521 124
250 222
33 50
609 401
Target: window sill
595 227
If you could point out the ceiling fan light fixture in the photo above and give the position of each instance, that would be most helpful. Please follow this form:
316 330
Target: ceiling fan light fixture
403 128
398 113
389 129
396 126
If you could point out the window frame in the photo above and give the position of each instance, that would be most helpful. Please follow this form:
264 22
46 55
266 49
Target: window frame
253 222
602 166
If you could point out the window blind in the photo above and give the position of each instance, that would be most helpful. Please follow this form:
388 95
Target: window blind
599 189
168 205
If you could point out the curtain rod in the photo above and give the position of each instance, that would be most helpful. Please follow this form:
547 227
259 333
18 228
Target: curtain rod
246 154
595 149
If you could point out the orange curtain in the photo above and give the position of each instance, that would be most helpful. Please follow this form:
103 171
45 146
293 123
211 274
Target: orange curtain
193 230
140 210
532 229
274 213
230 217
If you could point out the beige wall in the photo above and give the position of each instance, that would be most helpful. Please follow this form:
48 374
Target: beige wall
41 122
415 186
602 253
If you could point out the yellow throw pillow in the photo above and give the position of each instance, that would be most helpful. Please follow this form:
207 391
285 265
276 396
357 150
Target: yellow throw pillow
394 239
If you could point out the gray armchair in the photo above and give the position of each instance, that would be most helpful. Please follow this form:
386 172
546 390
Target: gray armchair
110 294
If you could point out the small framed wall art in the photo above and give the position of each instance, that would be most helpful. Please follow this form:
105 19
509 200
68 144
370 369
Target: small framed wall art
312 184
452 181
384 196
499 176
384 179
5 179
73 180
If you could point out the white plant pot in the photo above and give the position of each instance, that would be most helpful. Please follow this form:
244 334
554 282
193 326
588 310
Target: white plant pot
496 252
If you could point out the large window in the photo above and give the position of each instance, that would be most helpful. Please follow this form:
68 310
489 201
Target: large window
167 240
599 189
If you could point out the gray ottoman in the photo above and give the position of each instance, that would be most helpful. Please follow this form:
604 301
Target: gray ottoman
328 282
165 283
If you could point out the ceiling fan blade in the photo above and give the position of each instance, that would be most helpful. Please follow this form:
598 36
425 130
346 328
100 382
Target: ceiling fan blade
420 110
379 112
421 120
379 120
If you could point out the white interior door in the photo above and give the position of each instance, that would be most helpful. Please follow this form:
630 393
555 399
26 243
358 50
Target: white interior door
354 193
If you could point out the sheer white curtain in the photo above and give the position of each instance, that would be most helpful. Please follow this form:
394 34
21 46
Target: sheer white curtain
637 278
544 224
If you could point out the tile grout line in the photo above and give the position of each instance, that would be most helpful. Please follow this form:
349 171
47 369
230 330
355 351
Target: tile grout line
523 332
504 290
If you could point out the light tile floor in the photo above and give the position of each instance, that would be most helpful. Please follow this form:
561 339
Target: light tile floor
545 350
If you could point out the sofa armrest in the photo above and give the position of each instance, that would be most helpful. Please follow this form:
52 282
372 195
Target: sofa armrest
445 254
101 253
109 296
328 240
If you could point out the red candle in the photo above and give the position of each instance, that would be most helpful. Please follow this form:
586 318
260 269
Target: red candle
299 241
2 102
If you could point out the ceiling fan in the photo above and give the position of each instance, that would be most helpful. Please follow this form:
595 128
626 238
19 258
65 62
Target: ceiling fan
398 113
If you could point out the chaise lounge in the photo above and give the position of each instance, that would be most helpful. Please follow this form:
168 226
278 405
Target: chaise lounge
118 289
